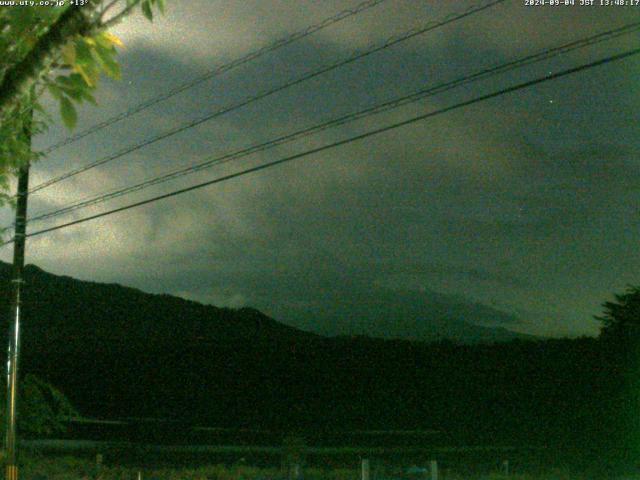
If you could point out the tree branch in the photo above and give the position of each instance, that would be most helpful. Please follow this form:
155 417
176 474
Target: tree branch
74 21
117 18
107 7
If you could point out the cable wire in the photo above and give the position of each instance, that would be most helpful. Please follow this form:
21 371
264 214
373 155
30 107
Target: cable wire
218 70
308 76
361 136
376 109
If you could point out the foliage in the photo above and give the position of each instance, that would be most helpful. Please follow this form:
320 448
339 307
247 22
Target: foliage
42 407
621 318
62 50
620 335
14 149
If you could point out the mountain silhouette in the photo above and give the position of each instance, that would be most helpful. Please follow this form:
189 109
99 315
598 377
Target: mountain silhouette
117 352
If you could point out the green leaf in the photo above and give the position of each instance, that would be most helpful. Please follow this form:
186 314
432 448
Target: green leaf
108 40
68 113
161 6
69 53
71 88
74 80
72 93
86 95
23 19
109 64
86 63
146 10
55 91
89 73
83 53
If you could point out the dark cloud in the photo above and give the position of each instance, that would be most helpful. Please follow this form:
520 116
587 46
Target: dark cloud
521 211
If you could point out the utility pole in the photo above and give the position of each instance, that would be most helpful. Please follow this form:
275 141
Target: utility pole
17 281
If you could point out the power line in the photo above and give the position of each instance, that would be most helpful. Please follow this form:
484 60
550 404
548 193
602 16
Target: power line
362 136
379 108
369 51
308 76
218 70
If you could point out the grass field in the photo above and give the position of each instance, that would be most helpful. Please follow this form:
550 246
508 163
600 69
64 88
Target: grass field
73 468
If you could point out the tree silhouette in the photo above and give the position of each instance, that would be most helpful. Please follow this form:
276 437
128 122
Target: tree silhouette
621 318
43 408
620 337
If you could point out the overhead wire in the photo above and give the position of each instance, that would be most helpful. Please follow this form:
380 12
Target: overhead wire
370 133
218 70
432 25
420 94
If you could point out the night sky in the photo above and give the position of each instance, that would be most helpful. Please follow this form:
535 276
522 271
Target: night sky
521 211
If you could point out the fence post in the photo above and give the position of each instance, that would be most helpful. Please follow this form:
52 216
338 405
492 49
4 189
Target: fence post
293 449
294 471
366 469
433 468
98 469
